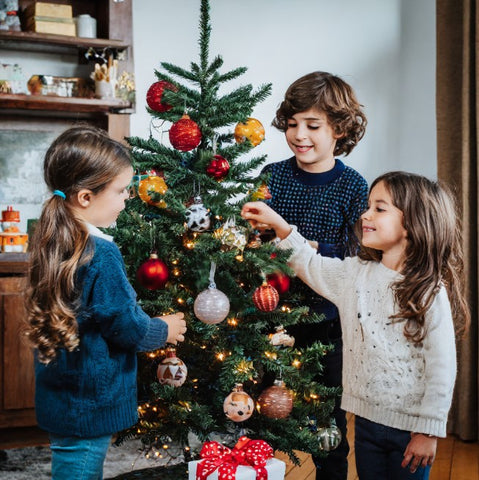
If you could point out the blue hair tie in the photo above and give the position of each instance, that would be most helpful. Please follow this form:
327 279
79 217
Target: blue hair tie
59 193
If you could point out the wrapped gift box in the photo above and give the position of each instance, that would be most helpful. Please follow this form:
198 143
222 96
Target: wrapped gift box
276 470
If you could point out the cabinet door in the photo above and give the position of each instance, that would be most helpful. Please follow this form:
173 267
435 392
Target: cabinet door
17 357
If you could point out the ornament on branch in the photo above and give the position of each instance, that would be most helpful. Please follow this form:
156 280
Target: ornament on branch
251 130
172 370
198 216
329 437
279 280
262 193
150 190
281 338
266 298
185 135
155 94
232 235
153 274
218 168
238 405
211 305
276 401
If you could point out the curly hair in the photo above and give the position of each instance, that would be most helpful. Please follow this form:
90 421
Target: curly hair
433 255
82 157
329 94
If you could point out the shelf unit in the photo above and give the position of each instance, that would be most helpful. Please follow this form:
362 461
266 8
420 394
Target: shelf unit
114 26
53 114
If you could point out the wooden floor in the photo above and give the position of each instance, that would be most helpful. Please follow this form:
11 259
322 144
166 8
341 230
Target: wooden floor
455 460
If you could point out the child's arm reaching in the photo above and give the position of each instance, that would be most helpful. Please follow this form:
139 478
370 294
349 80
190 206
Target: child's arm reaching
261 217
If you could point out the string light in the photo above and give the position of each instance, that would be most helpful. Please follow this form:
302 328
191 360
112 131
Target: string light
296 363
232 322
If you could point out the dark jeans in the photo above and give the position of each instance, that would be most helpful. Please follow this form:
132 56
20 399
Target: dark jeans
379 452
335 465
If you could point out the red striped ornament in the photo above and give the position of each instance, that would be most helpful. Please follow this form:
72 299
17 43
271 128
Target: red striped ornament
266 298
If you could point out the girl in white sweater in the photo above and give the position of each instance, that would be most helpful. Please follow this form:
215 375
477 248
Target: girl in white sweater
400 301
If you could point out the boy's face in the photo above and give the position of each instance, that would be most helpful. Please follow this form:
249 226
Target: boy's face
312 140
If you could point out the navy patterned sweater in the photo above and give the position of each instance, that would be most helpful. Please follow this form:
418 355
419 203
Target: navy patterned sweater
324 206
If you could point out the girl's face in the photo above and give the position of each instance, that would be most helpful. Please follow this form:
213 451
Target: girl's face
104 207
382 227
312 140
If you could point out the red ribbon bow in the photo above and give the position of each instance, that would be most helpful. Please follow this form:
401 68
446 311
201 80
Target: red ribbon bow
252 453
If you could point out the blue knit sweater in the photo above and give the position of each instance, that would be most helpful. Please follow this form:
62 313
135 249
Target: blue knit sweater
324 207
92 391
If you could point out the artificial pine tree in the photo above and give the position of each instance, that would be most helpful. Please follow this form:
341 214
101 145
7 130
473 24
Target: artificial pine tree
187 249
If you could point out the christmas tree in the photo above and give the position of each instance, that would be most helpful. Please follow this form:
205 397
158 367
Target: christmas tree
187 249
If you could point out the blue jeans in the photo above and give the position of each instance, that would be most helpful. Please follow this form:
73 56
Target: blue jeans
76 458
380 450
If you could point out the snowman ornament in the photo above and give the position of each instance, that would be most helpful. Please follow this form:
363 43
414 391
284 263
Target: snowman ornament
198 216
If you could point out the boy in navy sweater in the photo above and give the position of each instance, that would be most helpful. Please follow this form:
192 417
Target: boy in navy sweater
315 191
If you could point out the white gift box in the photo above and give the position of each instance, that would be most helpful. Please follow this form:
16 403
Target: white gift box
276 470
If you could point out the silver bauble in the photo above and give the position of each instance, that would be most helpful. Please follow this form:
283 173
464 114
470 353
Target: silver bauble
329 437
211 306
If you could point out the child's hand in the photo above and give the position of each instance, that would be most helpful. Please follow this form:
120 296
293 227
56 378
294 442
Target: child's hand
176 327
420 451
263 217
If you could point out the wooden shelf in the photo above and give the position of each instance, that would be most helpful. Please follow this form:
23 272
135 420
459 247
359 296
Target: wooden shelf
61 104
49 43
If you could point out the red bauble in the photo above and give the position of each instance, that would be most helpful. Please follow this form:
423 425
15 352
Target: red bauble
280 281
153 274
266 298
155 94
276 401
185 134
218 167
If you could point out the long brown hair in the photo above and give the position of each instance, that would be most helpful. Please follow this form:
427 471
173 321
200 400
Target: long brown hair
82 157
334 97
433 255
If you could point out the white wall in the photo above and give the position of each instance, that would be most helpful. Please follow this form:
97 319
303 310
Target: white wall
384 49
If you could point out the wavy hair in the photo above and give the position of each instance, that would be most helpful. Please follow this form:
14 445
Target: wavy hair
433 255
82 157
329 94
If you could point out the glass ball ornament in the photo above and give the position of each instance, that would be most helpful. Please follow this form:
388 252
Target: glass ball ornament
328 437
172 370
198 216
218 168
251 130
276 401
280 281
150 190
154 96
185 135
153 274
266 298
211 306
238 405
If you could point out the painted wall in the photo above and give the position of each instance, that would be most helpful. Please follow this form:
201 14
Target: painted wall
385 50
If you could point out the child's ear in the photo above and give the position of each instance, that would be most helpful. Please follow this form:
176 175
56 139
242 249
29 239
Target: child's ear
83 197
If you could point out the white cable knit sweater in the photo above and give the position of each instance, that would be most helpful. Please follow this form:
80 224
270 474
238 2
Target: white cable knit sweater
386 379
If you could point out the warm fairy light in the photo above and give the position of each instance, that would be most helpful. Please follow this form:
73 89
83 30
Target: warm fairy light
203 347
157 454
165 446
180 300
271 355
155 409
176 272
151 354
187 449
220 356
286 309
296 363
175 262
314 396
232 322
239 257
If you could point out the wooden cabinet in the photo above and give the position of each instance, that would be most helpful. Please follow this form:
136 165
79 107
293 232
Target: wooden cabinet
114 32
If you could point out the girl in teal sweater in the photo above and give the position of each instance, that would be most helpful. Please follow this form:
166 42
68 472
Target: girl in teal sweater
84 321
